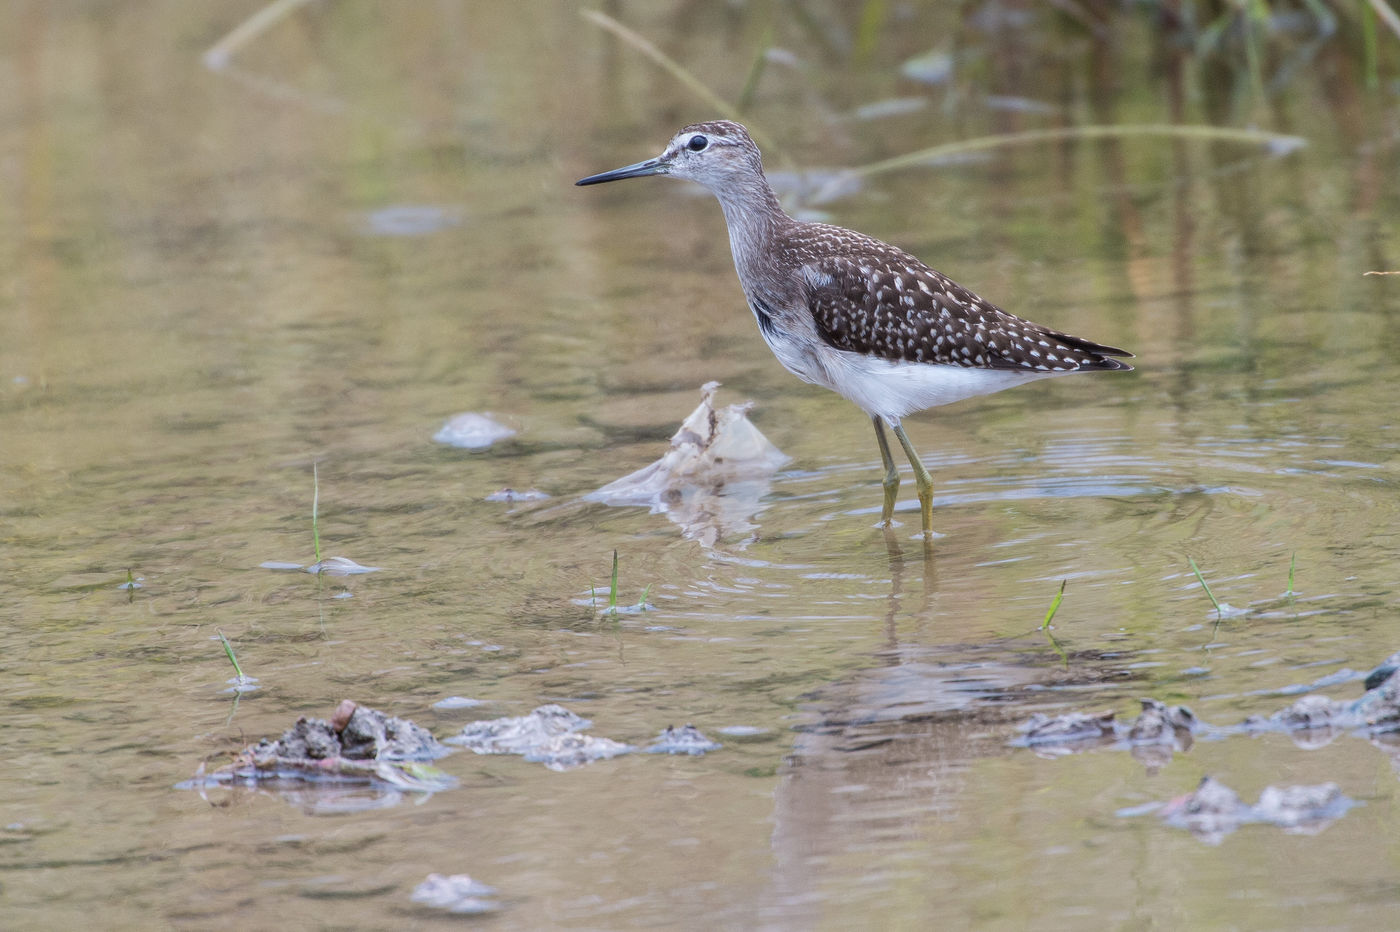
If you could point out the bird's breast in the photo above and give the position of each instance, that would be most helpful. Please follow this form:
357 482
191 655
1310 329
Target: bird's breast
800 356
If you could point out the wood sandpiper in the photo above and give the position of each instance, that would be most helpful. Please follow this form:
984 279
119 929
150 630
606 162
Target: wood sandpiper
868 321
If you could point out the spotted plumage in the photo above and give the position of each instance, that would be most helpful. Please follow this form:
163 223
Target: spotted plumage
859 316
868 297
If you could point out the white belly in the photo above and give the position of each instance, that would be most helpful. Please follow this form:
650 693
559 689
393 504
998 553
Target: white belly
892 389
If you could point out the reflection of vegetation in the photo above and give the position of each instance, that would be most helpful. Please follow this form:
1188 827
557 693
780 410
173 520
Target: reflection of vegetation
1246 29
1217 34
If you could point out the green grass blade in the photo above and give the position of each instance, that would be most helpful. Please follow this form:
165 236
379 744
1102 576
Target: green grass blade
1292 564
1213 600
1054 606
228 649
1045 625
756 69
612 591
315 507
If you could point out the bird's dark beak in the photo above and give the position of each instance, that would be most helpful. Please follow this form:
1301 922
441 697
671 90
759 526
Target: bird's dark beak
654 166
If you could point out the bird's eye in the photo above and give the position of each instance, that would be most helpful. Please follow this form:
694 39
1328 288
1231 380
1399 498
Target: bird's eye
697 143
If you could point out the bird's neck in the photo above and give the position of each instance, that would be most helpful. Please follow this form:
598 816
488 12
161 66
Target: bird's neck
755 219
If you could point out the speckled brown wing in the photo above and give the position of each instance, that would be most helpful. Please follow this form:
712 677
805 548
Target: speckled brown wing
880 301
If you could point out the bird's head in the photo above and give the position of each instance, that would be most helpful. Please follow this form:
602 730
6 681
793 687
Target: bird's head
717 154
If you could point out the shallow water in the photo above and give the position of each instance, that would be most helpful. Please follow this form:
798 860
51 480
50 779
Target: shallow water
213 280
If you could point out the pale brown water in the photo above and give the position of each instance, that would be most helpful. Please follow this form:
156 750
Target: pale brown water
196 305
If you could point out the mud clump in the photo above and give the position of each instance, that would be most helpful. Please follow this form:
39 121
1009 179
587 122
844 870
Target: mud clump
1376 713
1213 810
684 740
457 893
1152 737
357 745
353 733
550 735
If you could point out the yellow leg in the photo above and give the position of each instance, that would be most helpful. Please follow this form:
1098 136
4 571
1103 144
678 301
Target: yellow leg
891 473
921 478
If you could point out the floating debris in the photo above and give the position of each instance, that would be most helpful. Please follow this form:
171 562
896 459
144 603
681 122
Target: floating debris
1210 813
1162 724
1159 725
1313 720
409 220
1068 729
743 731
893 106
456 893
472 431
686 740
512 496
521 733
550 735
933 67
358 745
242 684
340 566
458 702
710 446
1377 712
1018 104
565 752
712 478
1382 672
1213 810
330 566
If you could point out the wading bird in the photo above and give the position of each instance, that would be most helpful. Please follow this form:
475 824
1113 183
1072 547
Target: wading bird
868 321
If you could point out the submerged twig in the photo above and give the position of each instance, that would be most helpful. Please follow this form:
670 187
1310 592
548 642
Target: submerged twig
221 52
981 143
1386 14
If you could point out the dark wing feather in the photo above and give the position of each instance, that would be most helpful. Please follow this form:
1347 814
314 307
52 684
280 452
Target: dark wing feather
880 301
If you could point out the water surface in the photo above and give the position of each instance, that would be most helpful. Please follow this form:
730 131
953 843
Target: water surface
366 224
